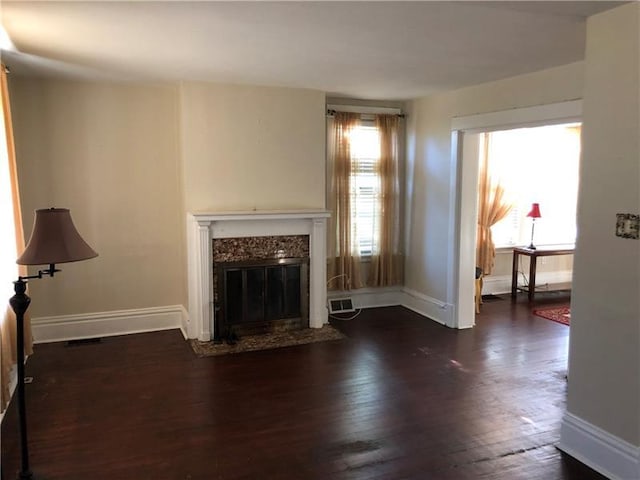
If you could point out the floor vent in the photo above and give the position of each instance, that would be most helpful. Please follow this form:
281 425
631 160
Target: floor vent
83 341
341 305
491 298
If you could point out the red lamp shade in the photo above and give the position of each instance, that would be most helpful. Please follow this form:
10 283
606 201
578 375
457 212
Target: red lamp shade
535 211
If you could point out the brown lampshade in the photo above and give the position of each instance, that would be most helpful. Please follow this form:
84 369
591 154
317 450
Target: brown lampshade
54 240
535 211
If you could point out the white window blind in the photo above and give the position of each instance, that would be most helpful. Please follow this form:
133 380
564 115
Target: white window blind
365 187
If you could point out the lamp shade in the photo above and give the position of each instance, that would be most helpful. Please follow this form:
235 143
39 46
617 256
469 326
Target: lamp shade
535 211
55 240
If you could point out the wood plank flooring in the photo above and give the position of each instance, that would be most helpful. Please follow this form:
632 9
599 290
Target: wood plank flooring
401 398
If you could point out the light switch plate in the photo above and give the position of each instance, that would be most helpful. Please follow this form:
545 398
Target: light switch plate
628 225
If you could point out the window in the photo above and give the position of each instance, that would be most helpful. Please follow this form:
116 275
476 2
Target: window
364 197
537 165
8 249
365 187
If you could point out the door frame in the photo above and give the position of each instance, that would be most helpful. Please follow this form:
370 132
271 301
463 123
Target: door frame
464 192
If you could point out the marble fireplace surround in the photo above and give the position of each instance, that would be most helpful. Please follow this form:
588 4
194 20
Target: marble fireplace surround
203 227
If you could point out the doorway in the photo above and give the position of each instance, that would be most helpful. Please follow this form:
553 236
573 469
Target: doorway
521 167
465 133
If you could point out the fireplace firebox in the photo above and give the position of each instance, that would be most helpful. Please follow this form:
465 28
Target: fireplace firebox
262 296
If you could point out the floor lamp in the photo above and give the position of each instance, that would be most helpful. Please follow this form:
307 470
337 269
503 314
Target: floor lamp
534 213
54 239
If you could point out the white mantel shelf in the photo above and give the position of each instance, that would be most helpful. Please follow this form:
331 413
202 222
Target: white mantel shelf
260 215
203 227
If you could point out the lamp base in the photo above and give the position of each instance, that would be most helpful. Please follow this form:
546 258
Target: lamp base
20 302
531 247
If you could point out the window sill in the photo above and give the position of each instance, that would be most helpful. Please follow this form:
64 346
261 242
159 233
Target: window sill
509 248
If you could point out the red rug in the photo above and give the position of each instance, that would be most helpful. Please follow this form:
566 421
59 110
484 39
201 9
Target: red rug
557 314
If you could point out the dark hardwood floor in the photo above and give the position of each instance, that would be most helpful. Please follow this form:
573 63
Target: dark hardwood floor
401 398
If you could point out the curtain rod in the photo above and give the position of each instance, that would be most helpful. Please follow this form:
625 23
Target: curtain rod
331 113
332 109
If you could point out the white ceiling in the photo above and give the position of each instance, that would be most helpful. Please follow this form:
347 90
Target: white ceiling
374 50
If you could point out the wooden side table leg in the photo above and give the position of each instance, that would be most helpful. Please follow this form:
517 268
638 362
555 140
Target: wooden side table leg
514 276
532 277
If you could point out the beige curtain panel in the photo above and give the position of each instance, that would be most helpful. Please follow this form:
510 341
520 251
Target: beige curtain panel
7 318
493 206
387 261
343 259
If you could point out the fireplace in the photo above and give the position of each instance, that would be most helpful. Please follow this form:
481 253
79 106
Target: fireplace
260 284
261 296
203 229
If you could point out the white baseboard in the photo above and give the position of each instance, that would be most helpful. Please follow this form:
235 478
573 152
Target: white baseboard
123 322
498 284
370 297
390 296
427 306
605 453
185 321
108 324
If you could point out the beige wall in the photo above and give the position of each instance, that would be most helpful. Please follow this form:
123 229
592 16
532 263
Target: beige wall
429 165
109 152
246 148
604 361
131 160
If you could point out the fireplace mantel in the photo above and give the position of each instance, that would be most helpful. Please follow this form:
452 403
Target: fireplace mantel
203 227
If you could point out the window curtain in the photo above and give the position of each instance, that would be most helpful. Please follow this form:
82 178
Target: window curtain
386 261
343 256
493 206
7 317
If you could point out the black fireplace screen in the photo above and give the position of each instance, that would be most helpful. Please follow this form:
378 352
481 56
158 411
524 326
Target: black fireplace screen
263 295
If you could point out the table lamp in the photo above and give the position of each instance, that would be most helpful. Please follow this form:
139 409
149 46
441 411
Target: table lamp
54 240
534 213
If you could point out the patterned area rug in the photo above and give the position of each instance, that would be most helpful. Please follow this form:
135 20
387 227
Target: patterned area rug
252 343
557 314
